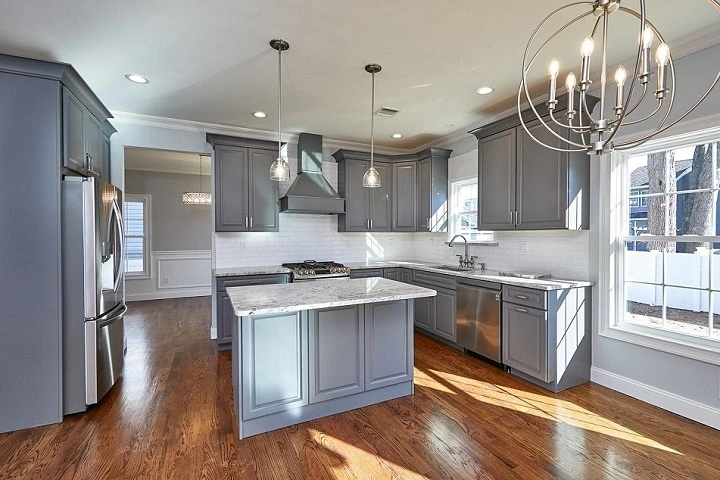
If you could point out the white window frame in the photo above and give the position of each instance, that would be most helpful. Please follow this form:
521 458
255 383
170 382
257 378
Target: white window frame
613 213
146 200
455 211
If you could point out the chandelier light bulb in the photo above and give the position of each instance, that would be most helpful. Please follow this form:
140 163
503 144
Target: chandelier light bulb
587 47
280 170
620 75
571 82
662 55
554 68
647 37
371 179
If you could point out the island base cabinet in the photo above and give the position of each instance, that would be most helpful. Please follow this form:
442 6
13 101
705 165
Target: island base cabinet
275 371
388 344
337 352
289 368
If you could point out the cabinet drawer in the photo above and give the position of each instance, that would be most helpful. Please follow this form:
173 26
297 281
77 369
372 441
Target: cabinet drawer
242 280
435 279
525 296
366 273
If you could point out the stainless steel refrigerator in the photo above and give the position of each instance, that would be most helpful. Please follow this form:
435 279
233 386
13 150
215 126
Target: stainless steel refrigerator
93 290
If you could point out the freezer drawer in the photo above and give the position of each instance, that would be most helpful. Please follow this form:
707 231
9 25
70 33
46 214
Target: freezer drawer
104 359
477 319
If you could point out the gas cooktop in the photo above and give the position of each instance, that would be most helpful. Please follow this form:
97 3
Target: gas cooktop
312 269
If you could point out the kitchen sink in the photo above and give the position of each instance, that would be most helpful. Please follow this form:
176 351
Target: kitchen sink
454 268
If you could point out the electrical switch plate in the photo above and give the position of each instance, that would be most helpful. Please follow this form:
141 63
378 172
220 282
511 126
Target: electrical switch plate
166 280
522 246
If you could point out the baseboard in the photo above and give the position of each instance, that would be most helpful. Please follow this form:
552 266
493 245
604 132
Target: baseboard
682 406
169 293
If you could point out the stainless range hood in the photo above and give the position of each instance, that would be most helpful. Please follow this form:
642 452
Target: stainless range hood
311 192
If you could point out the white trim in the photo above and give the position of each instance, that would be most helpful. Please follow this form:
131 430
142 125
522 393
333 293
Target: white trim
213 333
685 407
146 200
170 293
138 119
161 257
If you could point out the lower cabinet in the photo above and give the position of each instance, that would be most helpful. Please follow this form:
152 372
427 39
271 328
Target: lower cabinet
524 342
388 345
445 314
366 273
392 274
437 314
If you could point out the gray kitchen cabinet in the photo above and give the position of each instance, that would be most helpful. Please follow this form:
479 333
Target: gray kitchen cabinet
274 363
388 344
445 314
523 185
436 314
392 274
524 343
93 144
546 335
337 352
404 197
432 198
424 311
366 209
246 199
406 275
224 310
104 164
366 272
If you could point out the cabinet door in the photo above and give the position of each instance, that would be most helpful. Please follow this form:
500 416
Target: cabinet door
388 344
424 195
542 181
274 366
73 133
392 274
496 181
380 207
424 311
445 314
93 144
404 197
366 273
263 193
524 340
406 275
357 215
337 352
225 319
104 165
231 193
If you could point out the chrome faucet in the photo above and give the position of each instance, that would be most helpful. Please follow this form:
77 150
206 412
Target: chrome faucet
467 262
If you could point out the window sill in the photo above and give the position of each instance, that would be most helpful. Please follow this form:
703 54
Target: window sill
658 340
477 242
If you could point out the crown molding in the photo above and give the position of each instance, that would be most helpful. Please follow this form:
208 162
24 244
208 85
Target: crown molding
138 119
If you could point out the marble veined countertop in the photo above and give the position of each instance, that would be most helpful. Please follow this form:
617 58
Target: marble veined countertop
233 271
487 275
309 295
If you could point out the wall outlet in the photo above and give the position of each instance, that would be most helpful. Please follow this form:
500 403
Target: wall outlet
166 280
243 246
347 244
522 246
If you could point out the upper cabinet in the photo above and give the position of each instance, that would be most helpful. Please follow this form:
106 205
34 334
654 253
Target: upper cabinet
246 199
523 185
412 196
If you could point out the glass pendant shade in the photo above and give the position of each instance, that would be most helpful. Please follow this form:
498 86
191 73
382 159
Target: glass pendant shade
371 179
280 170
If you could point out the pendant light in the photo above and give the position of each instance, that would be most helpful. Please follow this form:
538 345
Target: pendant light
280 170
371 179
200 197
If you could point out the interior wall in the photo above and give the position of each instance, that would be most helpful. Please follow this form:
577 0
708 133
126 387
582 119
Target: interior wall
684 385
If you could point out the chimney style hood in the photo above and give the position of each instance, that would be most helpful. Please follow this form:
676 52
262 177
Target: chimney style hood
311 192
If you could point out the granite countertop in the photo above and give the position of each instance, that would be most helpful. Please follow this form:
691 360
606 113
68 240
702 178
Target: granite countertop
293 297
233 271
487 275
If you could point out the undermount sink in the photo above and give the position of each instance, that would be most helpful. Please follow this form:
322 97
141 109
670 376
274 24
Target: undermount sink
454 268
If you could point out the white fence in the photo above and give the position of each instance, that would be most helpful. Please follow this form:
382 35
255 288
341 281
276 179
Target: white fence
686 272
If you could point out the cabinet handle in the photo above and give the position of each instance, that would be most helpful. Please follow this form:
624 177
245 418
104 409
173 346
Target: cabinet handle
522 310
510 219
517 217
246 222
371 224
427 222
250 222
523 297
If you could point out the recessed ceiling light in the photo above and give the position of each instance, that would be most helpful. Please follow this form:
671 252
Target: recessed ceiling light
397 135
484 90
259 114
137 78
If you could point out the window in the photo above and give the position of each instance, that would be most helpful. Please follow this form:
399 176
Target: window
464 211
667 262
136 218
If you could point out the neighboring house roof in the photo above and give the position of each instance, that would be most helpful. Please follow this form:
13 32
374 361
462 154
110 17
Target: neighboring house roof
639 176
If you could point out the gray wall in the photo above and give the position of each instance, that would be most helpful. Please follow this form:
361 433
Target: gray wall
175 226
685 377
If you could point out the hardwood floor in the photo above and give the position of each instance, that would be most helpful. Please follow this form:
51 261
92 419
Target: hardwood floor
171 416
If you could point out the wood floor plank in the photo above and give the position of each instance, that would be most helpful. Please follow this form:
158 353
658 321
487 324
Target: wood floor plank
172 416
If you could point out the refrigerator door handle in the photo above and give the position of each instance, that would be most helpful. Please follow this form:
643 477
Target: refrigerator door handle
120 248
104 322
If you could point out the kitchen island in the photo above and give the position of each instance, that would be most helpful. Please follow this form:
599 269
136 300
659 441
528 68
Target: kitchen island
305 350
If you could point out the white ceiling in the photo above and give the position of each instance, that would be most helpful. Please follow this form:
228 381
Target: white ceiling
210 61
150 160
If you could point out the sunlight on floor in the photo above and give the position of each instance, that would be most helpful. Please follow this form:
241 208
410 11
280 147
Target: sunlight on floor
538 405
423 380
357 458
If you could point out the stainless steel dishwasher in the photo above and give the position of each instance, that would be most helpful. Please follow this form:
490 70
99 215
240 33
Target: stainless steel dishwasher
477 318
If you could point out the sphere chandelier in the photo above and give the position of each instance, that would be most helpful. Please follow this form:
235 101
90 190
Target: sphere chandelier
595 134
